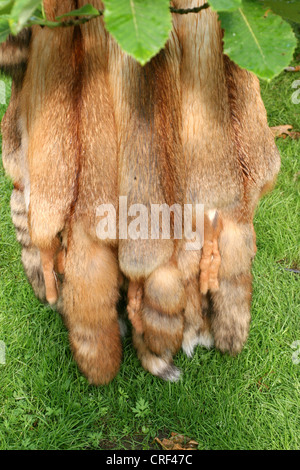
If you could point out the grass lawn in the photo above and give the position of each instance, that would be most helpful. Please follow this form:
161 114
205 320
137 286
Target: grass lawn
248 402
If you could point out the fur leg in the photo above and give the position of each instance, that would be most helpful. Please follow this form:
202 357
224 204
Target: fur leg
60 262
48 259
231 303
210 259
134 307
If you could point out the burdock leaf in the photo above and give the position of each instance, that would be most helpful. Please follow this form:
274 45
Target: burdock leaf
225 5
141 27
263 44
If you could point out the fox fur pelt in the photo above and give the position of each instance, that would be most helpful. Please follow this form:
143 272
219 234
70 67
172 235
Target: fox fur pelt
87 124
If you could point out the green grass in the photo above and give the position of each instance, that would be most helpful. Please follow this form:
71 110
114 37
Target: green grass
248 402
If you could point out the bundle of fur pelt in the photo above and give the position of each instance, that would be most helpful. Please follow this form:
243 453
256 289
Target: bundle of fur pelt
88 127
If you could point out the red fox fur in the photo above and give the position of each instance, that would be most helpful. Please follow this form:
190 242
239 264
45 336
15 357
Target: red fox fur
187 128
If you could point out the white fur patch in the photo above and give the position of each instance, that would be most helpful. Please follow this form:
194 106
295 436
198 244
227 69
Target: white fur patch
206 340
212 214
189 344
191 340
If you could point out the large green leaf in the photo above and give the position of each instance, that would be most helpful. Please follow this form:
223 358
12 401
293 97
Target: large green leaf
141 27
6 6
225 5
22 10
4 29
263 44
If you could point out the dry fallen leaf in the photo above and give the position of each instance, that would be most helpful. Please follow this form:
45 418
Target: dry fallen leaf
278 131
267 12
285 131
293 69
177 442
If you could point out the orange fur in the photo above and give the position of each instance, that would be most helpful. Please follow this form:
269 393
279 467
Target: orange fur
14 54
230 156
89 296
189 127
210 260
146 103
51 283
134 307
73 169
